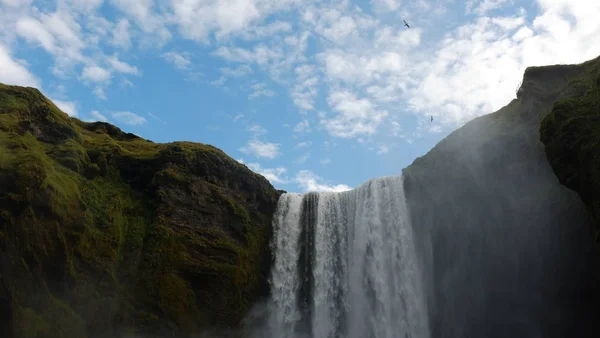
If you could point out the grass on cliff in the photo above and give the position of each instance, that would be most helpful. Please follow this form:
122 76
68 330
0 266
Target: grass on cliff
80 228
72 230
571 134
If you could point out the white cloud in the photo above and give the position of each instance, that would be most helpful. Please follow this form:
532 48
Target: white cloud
325 161
271 29
197 19
261 54
484 6
371 70
259 89
98 28
362 69
305 91
386 5
219 82
335 26
96 116
16 3
122 67
100 94
69 107
142 12
337 22
95 74
261 149
127 83
58 33
180 61
383 149
309 181
192 76
15 72
120 34
303 144
257 130
61 34
275 56
354 117
129 118
396 128
302 127
34 31
274 175
85 6
239 71
302 159
476 69
155 117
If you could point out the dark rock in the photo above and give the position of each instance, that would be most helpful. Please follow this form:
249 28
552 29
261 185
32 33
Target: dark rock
571 133
103 233
506 248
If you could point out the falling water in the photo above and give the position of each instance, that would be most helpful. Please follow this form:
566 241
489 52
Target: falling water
345 266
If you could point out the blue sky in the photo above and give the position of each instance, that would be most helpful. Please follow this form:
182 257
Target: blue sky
315 95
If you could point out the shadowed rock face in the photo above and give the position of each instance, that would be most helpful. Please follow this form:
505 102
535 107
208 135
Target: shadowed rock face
103 233
571 134
507 249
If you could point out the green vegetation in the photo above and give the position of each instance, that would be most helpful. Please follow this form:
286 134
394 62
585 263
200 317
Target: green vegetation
103 232
571 134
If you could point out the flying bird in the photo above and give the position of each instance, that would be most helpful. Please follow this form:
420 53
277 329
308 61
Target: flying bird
406 24
432 119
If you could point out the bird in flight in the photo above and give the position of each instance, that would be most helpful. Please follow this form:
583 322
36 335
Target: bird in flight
432 119
406 24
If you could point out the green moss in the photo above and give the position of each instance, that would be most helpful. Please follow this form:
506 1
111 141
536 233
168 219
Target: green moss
32 324
116 222
235 207
64 322
174 172
108 231
571 134
176 296
57 319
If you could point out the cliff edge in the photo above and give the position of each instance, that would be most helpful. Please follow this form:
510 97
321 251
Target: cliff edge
506 248
105 234
571 135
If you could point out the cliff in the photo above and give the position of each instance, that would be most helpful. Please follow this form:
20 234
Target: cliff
105 234
506 247
571 134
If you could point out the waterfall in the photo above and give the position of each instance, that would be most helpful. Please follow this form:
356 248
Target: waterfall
345 266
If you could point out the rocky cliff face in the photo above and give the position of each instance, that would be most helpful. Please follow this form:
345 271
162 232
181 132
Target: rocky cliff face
506 247
571 134
105 234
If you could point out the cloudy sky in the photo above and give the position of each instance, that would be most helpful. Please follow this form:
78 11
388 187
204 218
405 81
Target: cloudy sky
313 94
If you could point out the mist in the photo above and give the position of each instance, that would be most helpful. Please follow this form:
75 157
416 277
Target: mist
504 250
500 247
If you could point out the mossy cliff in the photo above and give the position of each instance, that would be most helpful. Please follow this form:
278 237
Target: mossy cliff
505 248
105 234
571 134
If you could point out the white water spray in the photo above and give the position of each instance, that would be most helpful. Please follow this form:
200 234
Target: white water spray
345 266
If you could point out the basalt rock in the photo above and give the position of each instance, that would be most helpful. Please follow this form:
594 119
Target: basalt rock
105 234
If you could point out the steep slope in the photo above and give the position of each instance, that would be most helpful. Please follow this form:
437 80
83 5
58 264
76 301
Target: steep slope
571 134
506 248
103 233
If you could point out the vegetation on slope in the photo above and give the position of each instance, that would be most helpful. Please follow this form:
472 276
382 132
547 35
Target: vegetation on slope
103 233
571 134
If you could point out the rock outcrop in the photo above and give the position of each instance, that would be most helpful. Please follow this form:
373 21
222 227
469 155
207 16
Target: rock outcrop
571 133
105 234
506 247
